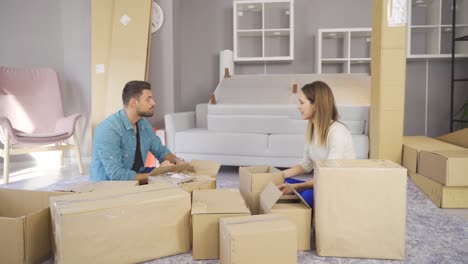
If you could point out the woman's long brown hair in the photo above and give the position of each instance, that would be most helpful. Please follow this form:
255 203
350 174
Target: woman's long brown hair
320 94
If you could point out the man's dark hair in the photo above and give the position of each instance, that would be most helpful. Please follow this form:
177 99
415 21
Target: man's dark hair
133 89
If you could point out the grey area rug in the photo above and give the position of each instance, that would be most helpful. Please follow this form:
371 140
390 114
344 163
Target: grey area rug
431 236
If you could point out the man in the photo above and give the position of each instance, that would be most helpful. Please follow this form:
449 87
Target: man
122 141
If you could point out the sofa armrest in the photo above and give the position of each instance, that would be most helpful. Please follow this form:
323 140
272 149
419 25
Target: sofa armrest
177 122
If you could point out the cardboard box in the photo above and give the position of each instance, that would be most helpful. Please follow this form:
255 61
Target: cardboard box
413 145
442 196
272 201
449 167
25 226
458 138
96 186
208 207
257 239
360 208
252 182
205 173
128 225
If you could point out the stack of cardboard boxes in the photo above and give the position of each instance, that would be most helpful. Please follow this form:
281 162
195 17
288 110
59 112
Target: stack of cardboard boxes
438 168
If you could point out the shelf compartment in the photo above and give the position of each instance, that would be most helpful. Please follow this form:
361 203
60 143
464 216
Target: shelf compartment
277 45
250 46
424 40
277 15
334 45
461 12
425 12
446 40
360 45
335 67
249 16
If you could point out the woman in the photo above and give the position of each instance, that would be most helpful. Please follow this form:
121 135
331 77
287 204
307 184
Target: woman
326 137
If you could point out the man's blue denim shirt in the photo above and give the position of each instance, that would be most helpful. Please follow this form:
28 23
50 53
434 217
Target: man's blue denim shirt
114 148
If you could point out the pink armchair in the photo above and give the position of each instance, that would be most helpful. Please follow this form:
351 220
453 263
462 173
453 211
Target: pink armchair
31 115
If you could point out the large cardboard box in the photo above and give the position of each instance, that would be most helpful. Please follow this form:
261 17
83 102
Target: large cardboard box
128 225
360 208
442 196
272 201
25 226
208 207
205 173
257 239
252 182
413 145
449 167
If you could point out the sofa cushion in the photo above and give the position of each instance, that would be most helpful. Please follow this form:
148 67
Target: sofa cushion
361 146
266 124
199 140
286 145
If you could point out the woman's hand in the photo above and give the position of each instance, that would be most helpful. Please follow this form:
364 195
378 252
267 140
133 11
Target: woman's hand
166 163
286 188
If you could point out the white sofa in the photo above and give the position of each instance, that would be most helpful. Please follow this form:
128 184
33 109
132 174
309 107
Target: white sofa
256 121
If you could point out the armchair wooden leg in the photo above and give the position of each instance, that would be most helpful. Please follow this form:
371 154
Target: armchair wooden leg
78 153
6 159
61 153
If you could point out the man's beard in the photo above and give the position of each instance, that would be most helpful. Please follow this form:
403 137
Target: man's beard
148 113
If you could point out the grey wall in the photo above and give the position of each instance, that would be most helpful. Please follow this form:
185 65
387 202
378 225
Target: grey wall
184 54
56 34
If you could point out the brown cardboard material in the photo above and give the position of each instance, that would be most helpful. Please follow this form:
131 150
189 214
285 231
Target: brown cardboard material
442 196
252 182
448 167
128 225
204 171
413 145
208 207
25 226
360 208
257 239
97 186
272 201
458 138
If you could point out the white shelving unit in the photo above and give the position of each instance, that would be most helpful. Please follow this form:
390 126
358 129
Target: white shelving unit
430 28
343 50
263 30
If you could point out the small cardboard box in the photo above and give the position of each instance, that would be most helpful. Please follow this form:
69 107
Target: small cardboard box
25 226
252 182
204 171
449 167
128 225
257 239
413 145
272 201
360 208
442 196
208 207
96 186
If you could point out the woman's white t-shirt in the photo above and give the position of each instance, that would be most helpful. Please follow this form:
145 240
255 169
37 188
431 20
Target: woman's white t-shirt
339 145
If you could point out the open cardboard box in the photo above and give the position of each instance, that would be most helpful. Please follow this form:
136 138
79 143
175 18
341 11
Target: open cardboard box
294 207
25 226
204 173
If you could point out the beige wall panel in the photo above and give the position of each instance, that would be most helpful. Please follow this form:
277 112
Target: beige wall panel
388 75
101 13
128 49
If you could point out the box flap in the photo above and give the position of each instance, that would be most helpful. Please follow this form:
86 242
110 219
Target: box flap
205 167
459 138
86 202
219 201
173 168
96 186
271 195
38 236
359 164
453 153
427 143
12 240
18 203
